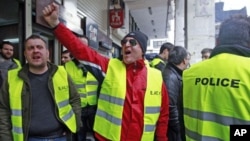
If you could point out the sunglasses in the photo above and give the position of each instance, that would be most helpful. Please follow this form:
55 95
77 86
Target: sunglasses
132 42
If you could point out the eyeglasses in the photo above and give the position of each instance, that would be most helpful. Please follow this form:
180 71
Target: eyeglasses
132 42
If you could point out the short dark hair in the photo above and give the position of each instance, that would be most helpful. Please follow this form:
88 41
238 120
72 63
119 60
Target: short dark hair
35 36
206 50
235 30
167 45
6 42
177 55
67 51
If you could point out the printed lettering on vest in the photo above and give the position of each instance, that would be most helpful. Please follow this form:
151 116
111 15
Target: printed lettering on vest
224 82
60 88
155 92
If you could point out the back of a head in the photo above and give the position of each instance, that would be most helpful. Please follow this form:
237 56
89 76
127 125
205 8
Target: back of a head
177 55
235 30
167 45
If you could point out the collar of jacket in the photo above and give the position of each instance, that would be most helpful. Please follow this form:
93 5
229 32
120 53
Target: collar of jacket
24 70
138 64
232 49
179 71
158 56
80 65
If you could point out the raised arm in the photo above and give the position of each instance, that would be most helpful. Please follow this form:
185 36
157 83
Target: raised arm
80 51
51 14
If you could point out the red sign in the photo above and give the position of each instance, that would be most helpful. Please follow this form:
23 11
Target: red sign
116 18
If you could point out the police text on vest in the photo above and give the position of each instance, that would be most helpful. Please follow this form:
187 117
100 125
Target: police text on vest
223 82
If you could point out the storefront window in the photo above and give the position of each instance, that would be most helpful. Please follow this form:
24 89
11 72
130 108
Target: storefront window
8 12
10 25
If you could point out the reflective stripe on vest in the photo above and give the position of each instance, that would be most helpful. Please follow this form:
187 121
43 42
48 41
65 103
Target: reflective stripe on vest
156 61
15 104
61 89
86 85
111 101
212 99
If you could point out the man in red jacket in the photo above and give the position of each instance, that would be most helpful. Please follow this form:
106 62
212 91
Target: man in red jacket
133 101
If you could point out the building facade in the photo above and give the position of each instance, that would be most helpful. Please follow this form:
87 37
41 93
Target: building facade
90 17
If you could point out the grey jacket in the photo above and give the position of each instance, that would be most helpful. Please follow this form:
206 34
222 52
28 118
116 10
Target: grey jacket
5 111
6 65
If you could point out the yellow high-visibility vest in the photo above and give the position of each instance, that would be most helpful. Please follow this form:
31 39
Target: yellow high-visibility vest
86 85
61 88
156 61
216 97
112 97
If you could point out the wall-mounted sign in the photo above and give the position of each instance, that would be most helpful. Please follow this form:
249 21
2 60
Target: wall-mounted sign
92 32
116 18
104 41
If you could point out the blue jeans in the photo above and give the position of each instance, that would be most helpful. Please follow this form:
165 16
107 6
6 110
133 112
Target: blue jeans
63 138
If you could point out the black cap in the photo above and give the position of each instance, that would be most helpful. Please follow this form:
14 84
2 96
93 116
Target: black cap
141 38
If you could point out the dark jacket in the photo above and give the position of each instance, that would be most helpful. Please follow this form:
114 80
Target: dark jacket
172 77
5 111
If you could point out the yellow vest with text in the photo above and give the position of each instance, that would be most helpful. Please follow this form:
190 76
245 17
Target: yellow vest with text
61 94
108 119
86 85
216 94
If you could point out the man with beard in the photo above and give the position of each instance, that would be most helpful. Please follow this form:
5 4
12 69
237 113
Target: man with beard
7 62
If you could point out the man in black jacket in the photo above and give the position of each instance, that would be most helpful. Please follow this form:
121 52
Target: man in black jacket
172 75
